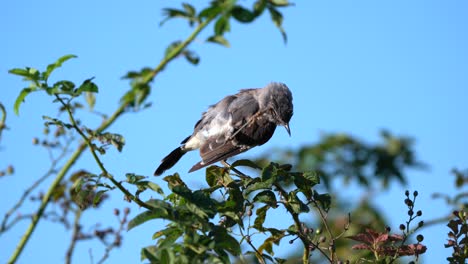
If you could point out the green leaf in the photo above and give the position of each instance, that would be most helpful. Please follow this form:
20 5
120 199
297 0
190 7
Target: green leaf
267 246
280 2
324 200
153 186
171 233
260 219
211 11
259 7
150 254
191 57
296 204
270 173
266 197
242 15
144 217
222 25
170 13
189 9
28 73
172 48
64 87
98 197
245 163
133 178
305 181
219 40
55 65
87 86
226 242
20 99
218 175
277 19
167 256
90 100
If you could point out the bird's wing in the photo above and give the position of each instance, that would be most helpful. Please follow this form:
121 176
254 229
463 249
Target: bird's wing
239 112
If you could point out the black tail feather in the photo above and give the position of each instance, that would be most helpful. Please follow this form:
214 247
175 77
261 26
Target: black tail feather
169 161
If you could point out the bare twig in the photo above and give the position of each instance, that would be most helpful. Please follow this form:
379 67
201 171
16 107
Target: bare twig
5 225
75 234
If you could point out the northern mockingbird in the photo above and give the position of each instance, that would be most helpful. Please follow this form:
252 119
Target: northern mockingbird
235 124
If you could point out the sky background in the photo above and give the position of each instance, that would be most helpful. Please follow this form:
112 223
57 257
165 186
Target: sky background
353 66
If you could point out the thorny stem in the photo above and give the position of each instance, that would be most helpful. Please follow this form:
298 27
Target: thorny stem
79 151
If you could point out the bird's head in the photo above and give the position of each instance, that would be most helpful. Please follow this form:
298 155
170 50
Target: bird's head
279 100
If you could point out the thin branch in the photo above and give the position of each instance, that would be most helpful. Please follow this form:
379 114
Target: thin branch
75 234
307 242
247 238
323 217
106 123
5 226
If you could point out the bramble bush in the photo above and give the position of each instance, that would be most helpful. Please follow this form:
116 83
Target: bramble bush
230 219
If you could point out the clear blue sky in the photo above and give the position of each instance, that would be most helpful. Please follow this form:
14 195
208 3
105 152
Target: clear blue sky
353 66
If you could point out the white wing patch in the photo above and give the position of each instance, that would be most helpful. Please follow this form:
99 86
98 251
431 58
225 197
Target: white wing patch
219 128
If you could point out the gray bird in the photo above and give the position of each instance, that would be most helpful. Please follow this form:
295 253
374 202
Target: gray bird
235 124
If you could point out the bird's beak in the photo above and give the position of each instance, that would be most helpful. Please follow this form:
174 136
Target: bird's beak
287 129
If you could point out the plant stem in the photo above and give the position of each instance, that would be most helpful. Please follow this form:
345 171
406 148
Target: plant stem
74 157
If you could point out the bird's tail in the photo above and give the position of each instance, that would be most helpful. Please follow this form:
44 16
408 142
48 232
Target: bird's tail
170 160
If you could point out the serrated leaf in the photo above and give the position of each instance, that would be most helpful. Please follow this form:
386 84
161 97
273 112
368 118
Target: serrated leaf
219 40
20 99
57 64
266 197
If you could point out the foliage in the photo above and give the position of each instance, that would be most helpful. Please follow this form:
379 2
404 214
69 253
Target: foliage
232 218
458 237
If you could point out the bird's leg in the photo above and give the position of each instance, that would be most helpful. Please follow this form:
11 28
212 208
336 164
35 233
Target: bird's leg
238 172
